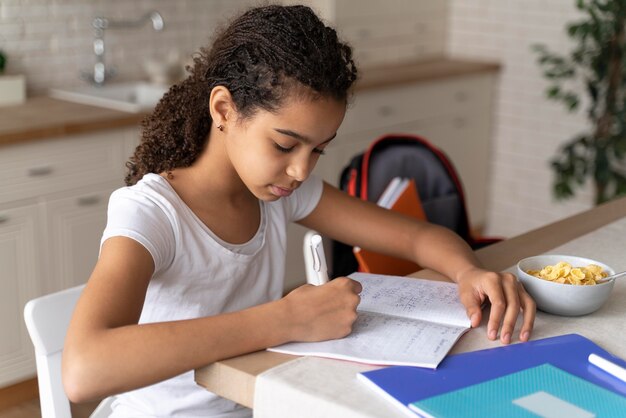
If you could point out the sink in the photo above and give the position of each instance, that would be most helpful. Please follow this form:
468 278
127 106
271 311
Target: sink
131 97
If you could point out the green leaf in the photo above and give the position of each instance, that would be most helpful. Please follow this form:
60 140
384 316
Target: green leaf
620 185
562 190
553 92
620 147
571 101
3 62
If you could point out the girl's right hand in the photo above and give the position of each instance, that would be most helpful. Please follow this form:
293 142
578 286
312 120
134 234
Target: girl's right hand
317 313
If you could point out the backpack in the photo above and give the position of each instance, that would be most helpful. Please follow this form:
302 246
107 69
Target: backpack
411 156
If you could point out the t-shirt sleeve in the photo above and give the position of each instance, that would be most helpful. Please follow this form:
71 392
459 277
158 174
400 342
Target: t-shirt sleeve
302 202
135 215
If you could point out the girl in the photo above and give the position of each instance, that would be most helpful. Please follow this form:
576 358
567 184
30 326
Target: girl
192 258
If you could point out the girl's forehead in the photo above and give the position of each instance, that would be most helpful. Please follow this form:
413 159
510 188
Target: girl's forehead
315 118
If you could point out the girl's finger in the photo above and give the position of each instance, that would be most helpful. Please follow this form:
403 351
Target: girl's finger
498 306
529 308
511 293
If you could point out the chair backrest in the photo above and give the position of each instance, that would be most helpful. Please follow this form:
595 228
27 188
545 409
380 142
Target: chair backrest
47 319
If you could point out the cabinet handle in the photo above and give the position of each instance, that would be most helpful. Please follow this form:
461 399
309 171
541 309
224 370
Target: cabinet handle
88 200
40 171
4 218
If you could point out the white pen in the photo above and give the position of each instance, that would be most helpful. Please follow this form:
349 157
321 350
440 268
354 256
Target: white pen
319 259
608 366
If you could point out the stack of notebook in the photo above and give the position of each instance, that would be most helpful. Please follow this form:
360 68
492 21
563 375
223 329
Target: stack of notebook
400 196
551 377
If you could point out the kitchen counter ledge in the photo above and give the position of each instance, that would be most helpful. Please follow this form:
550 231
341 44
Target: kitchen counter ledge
44 117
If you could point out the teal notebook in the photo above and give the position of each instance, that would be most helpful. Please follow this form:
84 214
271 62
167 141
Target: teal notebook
544 391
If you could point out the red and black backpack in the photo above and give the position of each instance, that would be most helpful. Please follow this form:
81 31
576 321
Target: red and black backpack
438 185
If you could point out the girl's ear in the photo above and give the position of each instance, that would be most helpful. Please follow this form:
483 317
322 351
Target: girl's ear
221 107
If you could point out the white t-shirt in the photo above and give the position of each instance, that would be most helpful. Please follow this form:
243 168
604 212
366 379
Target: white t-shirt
196 275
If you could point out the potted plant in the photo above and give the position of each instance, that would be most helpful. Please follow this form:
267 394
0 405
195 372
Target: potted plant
12 87
598 62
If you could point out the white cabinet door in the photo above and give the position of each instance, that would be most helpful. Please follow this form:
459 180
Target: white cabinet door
19 278
53 200
74 228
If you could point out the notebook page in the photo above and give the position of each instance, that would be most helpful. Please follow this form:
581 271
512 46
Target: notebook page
385 340
426 300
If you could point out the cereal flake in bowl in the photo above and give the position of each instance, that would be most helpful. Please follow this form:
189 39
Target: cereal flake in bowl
568 285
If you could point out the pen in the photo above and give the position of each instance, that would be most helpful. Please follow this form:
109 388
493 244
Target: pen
608 366
319 259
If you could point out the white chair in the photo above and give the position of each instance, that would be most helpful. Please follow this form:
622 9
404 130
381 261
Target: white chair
47 319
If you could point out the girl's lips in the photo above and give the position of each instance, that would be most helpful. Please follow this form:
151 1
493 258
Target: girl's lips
280 191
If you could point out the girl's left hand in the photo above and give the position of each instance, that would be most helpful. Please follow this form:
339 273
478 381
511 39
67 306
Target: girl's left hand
507 297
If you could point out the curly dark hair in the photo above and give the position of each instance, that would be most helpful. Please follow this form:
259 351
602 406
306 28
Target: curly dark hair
261 57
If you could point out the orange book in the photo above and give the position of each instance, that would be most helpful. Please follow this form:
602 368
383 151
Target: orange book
401 196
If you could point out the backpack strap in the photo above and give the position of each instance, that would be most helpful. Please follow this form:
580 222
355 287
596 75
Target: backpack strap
351 176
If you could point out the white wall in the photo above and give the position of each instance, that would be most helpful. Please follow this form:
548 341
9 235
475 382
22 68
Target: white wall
51 41
528 128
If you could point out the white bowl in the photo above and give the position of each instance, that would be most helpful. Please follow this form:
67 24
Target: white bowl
563 299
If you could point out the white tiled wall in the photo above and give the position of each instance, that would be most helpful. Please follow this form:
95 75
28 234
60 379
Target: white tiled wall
529 128
50 41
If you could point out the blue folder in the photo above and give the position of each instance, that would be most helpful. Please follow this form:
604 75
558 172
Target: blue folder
405 385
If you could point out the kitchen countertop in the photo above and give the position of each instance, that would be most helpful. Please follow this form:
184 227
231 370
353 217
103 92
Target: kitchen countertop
398 74
44 117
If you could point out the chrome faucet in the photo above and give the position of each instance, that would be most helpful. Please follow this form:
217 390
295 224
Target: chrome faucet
100 72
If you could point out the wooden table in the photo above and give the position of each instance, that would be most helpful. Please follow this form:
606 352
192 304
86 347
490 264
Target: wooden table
235 378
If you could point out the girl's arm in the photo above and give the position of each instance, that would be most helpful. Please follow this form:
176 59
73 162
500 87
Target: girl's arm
356 222
107 352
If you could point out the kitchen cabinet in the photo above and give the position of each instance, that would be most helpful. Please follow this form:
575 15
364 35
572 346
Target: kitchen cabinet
20 274
454 113
381 33
74 225
53 200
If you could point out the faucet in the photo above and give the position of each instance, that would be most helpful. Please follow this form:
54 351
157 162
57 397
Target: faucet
100 72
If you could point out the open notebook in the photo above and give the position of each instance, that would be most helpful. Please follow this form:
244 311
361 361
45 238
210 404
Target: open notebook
402 321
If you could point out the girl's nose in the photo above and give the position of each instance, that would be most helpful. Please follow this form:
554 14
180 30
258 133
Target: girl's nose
299 168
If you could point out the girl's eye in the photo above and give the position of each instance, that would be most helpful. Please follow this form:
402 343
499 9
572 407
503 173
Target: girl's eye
282 149
288 150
